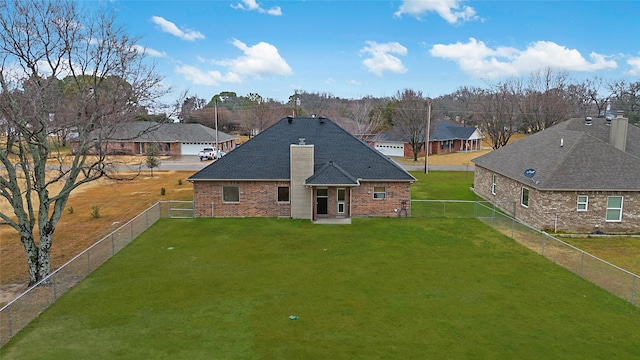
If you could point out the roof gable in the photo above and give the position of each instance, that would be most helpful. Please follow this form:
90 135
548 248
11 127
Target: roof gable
266 156
331 174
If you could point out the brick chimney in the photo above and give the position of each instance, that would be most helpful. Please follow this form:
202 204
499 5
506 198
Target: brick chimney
618 131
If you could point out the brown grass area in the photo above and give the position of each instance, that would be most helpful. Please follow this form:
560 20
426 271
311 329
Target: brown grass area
117 201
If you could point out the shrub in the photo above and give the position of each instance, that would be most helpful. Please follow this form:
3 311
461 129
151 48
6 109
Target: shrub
179 181
162 191
70 209
95 212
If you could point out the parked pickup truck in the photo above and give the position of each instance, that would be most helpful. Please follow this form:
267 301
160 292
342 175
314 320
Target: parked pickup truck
210 153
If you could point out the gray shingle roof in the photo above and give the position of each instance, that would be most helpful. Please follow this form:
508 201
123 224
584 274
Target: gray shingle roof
167 132
266 156
585 161
451 130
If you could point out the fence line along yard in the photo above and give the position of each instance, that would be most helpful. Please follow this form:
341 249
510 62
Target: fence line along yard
612 278
18 313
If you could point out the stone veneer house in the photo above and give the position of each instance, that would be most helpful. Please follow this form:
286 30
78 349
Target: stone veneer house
302 168
582 175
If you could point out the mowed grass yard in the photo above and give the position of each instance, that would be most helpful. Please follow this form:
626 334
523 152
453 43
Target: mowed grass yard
393 288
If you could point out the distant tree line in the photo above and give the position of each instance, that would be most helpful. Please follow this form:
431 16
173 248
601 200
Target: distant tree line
501 109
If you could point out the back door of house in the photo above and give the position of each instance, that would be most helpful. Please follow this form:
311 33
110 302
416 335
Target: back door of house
322 200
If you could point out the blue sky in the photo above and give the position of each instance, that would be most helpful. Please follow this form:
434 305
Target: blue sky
352 49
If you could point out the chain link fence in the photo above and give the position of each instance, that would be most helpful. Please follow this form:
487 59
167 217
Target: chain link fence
15 315
22 310
612 278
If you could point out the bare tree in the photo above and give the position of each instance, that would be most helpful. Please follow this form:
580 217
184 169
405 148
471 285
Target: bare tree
105 84
627 98
544 102
258 113
411 110
360 118
497 111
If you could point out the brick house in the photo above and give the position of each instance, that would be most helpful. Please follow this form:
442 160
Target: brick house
303 168
134 138
582 175
446 137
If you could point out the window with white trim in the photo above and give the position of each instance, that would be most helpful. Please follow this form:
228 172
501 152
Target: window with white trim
583 202
614 209
524 199
379 192
230 194
283 194
493 184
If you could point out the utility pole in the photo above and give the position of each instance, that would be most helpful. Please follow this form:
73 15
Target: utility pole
426 138
216 116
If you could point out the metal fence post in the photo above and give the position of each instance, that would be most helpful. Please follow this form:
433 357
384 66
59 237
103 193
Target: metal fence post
582 264
9 320
633 288
543 242
169 209
113 245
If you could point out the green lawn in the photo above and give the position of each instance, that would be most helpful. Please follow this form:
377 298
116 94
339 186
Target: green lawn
376 289
621 251
443 185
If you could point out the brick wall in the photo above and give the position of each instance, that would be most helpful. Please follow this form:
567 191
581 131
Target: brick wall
363 203
549 210
259 198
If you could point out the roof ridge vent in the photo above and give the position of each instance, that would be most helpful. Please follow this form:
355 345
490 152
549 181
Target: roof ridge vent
301 141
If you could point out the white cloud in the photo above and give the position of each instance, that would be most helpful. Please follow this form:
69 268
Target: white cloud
381 59
635 66
171 28
449 10
258 61
478 60
149 51
252 5
210 78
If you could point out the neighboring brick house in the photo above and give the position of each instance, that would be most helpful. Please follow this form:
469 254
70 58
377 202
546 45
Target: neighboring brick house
452 136
304 168
582 175
133 138
446 137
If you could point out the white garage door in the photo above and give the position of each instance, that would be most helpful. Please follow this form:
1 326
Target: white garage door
390 148
192 148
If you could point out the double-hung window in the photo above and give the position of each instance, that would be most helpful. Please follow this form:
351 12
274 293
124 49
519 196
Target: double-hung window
583 202
379 192
614 208
493 184
524 199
